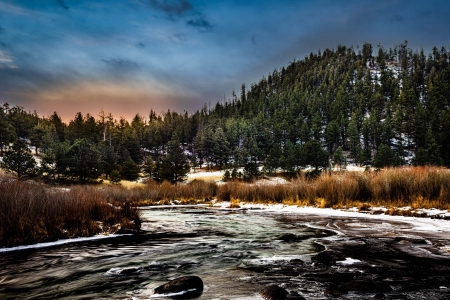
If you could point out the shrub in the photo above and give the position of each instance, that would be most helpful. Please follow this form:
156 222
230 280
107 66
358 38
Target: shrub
114 177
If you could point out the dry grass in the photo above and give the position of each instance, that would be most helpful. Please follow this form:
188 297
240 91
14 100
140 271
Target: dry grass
421 187
32 213
234 203
152 193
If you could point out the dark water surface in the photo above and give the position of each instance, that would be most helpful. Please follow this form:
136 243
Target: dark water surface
212 245
236 254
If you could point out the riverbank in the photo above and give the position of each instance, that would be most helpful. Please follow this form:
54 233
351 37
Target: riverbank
36 213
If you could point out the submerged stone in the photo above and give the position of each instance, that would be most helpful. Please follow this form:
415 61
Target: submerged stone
182 287
273 292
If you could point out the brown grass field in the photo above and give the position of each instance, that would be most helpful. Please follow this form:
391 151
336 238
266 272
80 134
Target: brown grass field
420 187
31 212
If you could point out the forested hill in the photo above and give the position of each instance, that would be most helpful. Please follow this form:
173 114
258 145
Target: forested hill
367 105
363 100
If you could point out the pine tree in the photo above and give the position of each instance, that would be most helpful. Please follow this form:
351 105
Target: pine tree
149 167
7 131
83 160
175 165
19 161
339 158
355 143
114 177
129 170
314 155
385 157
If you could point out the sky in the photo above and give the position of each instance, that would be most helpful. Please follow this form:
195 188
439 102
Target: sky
130 56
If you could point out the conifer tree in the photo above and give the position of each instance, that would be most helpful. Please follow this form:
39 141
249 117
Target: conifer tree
19 161
175 165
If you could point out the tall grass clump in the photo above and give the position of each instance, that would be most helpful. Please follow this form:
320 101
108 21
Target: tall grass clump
151 193
336 189
32 213
415 186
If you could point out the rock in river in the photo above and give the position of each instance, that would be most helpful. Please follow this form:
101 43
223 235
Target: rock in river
182 287
273 292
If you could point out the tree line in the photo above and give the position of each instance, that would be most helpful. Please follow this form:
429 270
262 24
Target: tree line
388 108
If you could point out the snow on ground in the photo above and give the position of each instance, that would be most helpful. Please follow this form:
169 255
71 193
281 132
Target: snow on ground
205 175
60 242
355 168
418 224
271 181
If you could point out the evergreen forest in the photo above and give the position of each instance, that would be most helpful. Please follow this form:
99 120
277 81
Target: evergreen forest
365 105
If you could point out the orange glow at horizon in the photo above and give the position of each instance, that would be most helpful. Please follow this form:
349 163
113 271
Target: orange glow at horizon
121 99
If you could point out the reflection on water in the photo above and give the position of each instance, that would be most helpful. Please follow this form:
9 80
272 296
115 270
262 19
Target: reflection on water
213 245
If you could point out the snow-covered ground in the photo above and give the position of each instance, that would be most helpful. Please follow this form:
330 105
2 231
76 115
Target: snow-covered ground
426 224
60 242
205 175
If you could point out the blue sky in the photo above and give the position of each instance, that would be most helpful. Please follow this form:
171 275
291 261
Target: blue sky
130 56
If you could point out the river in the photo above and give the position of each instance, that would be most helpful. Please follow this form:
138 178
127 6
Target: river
236 253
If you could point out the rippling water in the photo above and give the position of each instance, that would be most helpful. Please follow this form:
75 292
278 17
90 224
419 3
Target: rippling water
219 246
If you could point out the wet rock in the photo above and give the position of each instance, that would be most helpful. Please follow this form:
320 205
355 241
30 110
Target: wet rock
182 287
336 290
328 257
297 261
273 292
379 296
290 237
412 240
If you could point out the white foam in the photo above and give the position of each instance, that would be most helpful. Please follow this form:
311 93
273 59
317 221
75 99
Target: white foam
172 294
348 261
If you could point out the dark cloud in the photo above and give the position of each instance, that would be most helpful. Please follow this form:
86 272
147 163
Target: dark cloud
396 18
171 7
62 4
253 39
140 45
1 29
121 65
200 23
29 79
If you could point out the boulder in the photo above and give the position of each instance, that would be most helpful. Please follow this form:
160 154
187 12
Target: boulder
327 257
297 261
182 287
273 292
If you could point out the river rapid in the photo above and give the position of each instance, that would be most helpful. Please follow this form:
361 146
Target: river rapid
237 253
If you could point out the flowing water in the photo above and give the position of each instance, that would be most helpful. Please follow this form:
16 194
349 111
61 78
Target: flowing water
237 254
221 247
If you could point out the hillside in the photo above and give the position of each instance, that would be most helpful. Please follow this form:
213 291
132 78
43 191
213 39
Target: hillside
394 104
